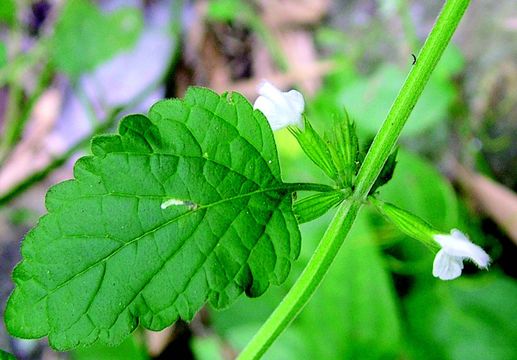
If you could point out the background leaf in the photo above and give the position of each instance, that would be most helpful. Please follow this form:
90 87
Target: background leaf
3 55
368 99
355 304
128 349
6 356
84 37
353 315
418 187
8 12
467 318
108 255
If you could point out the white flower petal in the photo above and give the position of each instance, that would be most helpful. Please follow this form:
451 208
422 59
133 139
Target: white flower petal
456 247
267 89
281 109
295 99
447 267
270 111
458 244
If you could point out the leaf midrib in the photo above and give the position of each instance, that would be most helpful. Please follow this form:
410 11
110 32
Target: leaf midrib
288 187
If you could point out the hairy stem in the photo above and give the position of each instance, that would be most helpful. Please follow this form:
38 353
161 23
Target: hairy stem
309 187
381 148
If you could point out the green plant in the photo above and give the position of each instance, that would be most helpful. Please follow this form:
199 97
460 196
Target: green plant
186 206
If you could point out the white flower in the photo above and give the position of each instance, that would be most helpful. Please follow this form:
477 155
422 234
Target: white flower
280 108
456 247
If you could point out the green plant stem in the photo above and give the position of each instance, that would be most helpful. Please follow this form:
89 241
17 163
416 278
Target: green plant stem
381 148
427 59
271 43
86 103
19 65
58 161
309 187
306 284
255 22
16 123
11 116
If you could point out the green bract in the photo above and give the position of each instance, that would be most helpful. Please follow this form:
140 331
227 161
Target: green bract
109 256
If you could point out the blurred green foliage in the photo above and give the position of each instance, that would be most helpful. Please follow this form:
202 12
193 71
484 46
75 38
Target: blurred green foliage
8 12
419 188
472 318
129 349
357 313
379 300
368 97
3 55
6 356
85 37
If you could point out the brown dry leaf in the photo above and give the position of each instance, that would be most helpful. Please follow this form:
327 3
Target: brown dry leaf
281 80
31 153
496 200
305 69
299 48
202 53
281 13
209 55
157 341
284 19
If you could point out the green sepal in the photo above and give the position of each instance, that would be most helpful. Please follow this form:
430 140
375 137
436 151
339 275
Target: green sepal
315 148
314 206
408 223
386 172
344 149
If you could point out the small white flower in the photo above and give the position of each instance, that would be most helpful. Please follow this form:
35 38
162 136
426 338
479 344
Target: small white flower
456 247
280 108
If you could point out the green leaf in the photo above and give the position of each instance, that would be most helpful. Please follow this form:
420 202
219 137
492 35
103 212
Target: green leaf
387 172
465 319
108 256
8 12
355 305
3 55
353 315
207 348
129 349
6 356
84 37
367 100
224 10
